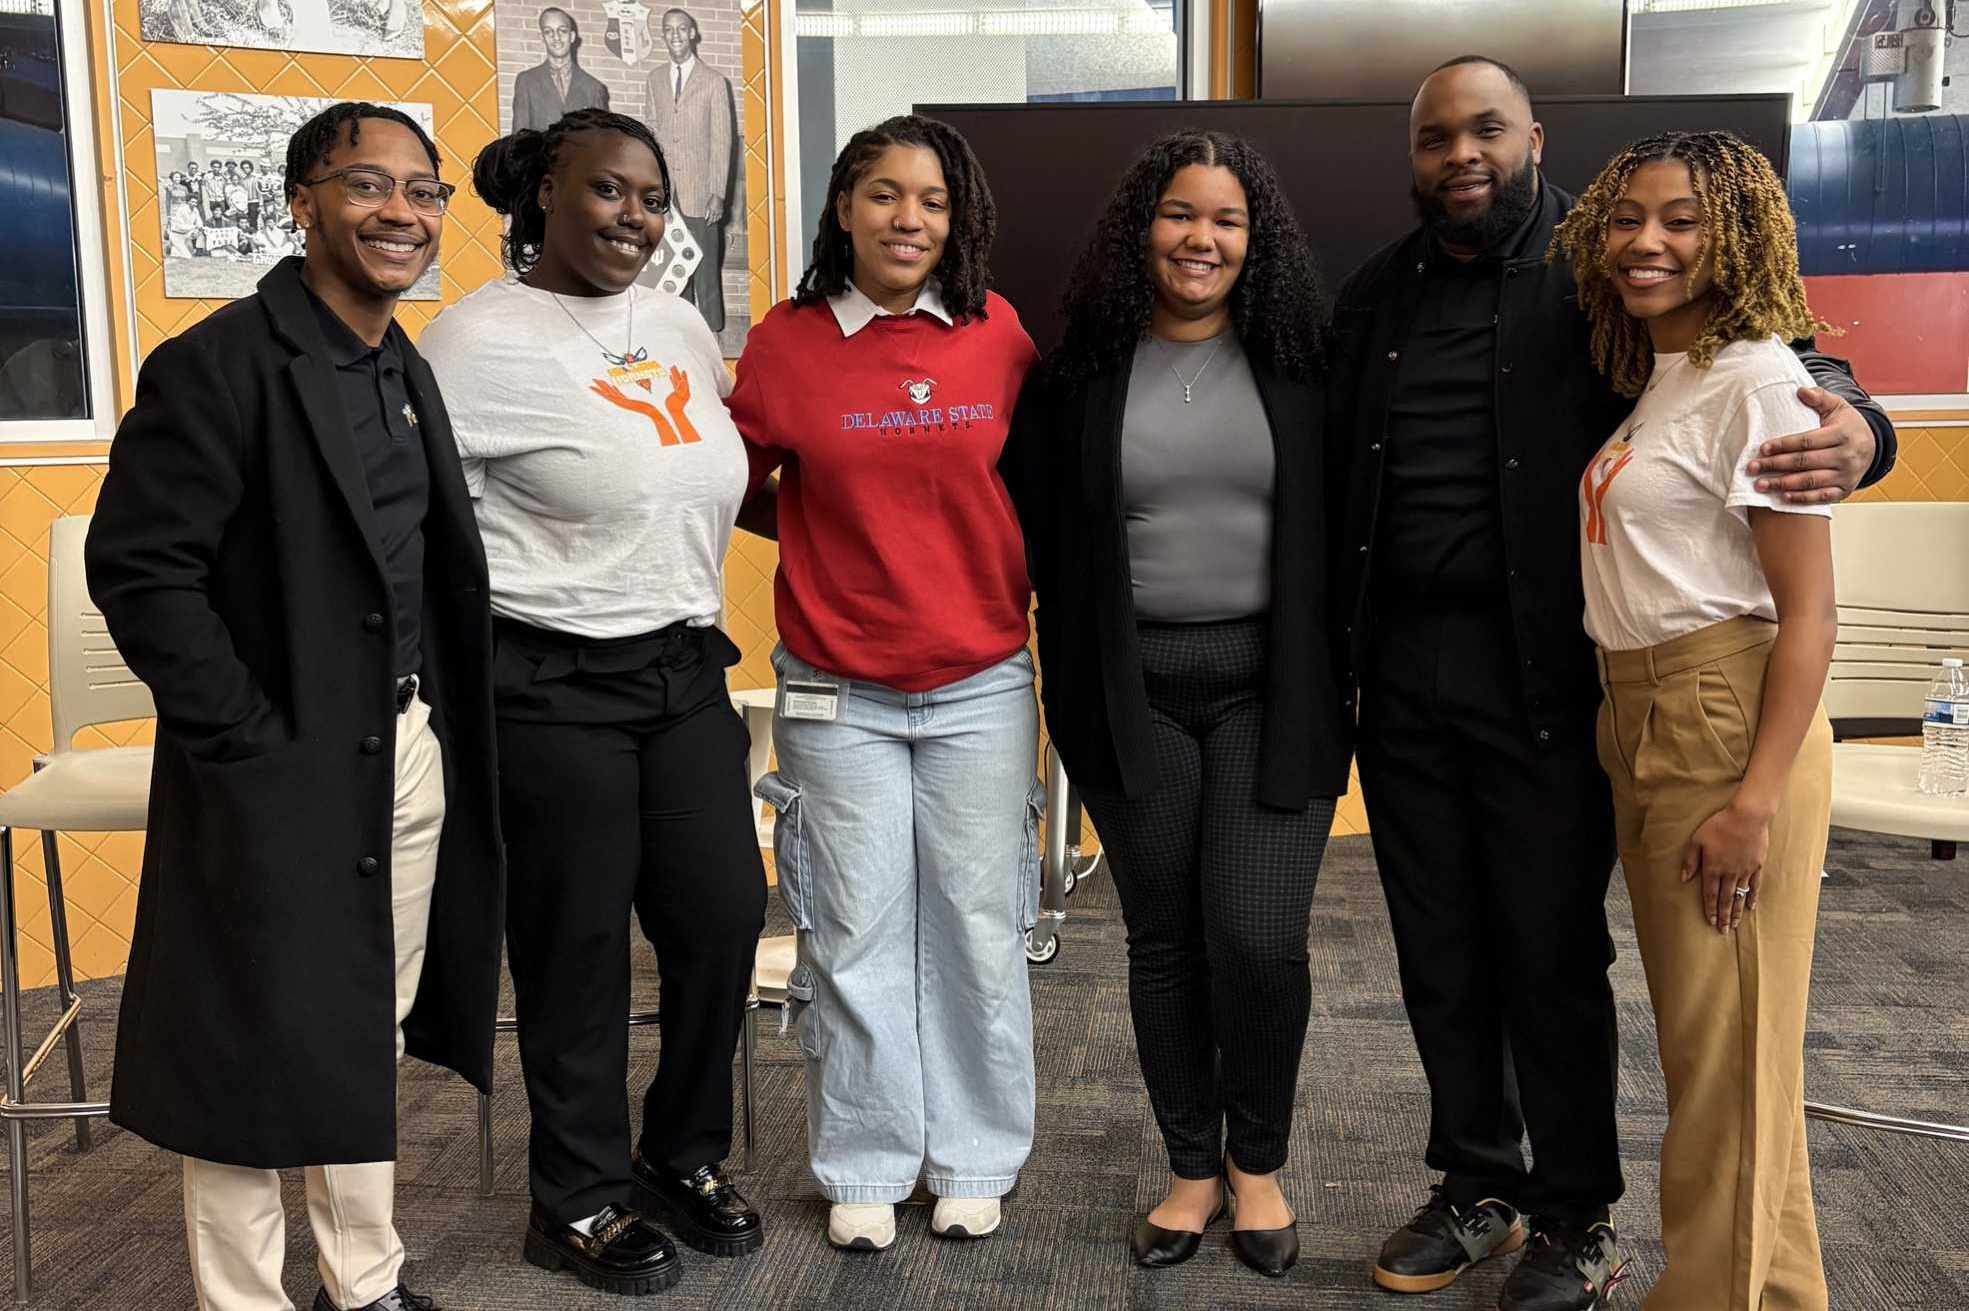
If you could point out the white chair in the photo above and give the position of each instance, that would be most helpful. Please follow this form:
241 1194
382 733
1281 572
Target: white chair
1902 576
1901 572
70 791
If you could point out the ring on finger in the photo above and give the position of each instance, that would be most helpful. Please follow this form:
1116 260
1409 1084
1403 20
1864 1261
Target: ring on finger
1743 892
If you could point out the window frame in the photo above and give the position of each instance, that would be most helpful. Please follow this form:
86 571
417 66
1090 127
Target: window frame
1195 48
86 205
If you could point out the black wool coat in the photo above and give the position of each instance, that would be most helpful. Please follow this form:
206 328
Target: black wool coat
233 555
1062 466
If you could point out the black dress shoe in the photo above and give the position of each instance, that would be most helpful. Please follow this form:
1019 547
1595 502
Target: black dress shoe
621 1253
1270 1252
707 1211
399 1298
1155 1247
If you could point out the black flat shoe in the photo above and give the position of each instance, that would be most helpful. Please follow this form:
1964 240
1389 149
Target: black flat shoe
706 1210
399 1298
1156 1247
623 1253
1270 1252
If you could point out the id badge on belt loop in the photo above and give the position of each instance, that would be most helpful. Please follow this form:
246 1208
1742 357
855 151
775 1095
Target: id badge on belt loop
809 699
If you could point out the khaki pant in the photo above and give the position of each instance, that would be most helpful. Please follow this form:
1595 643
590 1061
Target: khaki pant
1736 1188
234 1221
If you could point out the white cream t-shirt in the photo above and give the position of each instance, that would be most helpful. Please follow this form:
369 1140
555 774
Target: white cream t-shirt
1665 505
603 466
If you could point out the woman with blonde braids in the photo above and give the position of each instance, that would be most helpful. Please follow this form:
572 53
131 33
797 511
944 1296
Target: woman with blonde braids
1712 605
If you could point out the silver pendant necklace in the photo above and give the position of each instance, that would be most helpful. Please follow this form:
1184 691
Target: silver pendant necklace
1189 383
629 354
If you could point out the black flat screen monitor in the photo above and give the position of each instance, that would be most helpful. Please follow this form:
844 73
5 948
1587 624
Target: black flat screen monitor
1344 164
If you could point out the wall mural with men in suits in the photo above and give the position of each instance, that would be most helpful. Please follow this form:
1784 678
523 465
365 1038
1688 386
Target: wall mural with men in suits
676 68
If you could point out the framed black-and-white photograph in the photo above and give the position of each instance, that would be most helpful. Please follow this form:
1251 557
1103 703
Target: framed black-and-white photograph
221 191
392 28
676 69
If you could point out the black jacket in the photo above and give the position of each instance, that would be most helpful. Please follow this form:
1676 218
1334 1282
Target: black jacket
1554 410
1062 464
232 556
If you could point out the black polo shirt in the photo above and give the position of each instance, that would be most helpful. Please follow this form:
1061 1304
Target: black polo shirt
383 424
1440 526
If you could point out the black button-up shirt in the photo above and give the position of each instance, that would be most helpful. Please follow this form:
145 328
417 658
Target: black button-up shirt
383 424
1440 530
1441 535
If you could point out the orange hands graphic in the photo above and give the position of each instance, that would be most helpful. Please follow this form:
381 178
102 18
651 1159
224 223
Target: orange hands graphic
665 434
1597 482
680 394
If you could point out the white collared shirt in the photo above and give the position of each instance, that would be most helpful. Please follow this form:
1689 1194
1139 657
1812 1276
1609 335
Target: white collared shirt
853 310
680 74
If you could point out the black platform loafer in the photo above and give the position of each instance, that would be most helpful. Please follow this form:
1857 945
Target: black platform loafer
1155 1247
1444 1240
399 1298
1271 1252
621 1253
706 1210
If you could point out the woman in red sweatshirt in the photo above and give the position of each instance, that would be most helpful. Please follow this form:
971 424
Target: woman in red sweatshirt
906 728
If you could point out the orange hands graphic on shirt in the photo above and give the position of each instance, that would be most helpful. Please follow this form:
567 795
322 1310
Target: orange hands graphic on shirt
1598 480
680 394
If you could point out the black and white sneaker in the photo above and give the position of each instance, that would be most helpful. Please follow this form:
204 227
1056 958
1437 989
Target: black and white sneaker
1444 1240
1564 1270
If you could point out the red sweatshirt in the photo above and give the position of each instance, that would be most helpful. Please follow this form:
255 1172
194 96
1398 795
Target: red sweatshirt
900 559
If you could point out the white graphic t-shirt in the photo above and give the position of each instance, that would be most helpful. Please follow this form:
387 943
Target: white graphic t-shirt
1665 505
604 468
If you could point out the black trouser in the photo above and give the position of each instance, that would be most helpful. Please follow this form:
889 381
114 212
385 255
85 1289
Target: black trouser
707 285
1216 891
1495 850
622 783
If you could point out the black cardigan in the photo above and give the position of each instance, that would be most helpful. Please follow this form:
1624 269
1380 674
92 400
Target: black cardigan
1062 465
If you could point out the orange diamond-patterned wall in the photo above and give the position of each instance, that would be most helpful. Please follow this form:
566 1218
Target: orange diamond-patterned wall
457 78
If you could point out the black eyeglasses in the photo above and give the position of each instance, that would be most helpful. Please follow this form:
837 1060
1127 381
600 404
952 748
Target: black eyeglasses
371 189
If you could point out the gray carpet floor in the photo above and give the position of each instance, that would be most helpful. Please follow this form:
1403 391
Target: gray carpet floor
1890 1031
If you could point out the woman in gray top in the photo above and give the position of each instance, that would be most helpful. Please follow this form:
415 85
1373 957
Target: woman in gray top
1167 470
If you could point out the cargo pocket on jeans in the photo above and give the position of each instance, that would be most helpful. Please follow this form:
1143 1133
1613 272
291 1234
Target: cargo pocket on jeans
798 1013
1029 863
790 865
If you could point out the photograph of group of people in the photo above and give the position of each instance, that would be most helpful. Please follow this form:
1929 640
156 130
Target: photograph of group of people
1573 610
391 28
675 70
221 189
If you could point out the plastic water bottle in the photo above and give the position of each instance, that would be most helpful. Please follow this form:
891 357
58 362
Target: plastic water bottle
1945 734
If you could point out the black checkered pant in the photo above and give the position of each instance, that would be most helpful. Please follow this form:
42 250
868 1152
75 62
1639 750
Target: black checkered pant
1216 891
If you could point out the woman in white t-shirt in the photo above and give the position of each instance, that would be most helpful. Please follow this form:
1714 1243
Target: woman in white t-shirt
1712 604
606 475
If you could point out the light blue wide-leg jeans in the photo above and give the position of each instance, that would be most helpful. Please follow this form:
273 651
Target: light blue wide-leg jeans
906 854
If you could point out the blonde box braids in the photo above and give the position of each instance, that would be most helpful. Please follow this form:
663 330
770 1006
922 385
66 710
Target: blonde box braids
1749 243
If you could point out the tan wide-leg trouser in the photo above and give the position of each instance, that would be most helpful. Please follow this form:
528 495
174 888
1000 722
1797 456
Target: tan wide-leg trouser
1736 1190
234 1221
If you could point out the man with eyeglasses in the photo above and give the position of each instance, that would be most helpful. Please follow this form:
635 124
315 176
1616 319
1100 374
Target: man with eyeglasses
284 553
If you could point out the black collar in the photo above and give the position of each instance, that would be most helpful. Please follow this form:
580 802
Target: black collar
305 322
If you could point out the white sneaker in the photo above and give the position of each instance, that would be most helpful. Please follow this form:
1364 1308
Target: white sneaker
861 1226
964 1217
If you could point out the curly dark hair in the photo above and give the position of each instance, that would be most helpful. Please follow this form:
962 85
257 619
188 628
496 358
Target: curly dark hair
508 172
964 272
309 147
1277 306
1749 242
